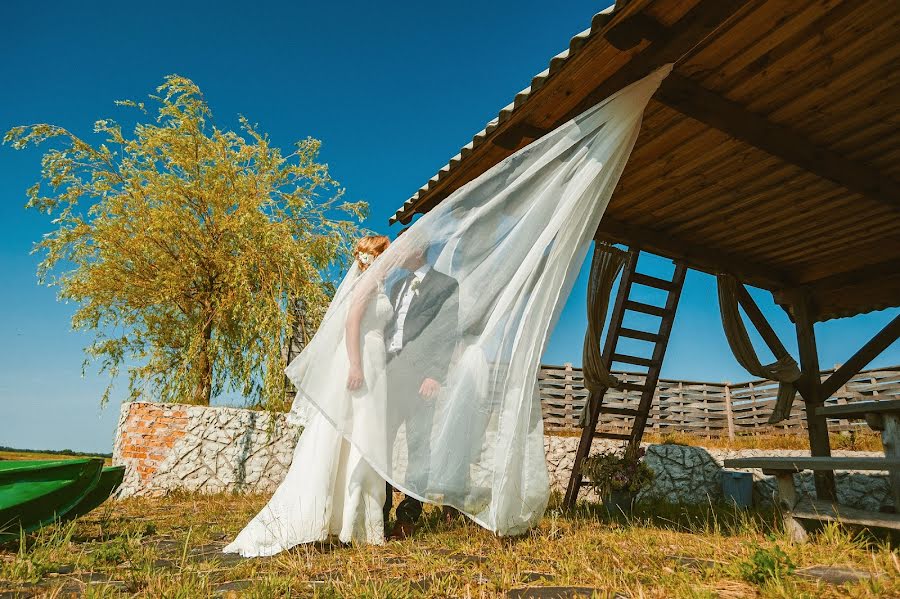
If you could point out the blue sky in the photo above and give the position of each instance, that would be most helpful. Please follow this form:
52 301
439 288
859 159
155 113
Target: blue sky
393 90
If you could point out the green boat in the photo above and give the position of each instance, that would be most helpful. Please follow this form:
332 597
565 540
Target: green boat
110 479
34 493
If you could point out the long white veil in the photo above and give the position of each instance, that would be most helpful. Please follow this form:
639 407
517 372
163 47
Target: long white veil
495 262
302 410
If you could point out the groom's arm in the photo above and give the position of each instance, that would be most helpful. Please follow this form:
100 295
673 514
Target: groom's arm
443 335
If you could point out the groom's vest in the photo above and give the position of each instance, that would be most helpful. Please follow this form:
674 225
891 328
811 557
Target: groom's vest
430 326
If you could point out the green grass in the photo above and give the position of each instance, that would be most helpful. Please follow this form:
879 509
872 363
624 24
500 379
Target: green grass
8 453
170 548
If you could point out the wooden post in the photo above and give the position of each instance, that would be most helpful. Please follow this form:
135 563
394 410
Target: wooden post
570 413
729 415
810 387
787 500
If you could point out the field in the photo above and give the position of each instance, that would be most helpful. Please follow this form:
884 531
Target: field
7 453
170 548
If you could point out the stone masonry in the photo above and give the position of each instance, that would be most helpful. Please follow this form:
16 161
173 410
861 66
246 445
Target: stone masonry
170 447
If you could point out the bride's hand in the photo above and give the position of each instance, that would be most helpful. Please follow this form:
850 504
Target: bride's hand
355 377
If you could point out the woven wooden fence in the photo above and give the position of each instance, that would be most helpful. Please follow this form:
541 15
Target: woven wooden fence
707 409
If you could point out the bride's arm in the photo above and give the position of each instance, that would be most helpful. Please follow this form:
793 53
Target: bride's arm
358 302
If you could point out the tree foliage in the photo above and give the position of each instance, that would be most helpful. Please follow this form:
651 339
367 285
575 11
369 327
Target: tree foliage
183 244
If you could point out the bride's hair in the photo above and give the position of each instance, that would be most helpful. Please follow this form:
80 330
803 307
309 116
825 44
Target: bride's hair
368 248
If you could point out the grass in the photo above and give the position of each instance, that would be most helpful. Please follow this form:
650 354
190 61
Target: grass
30 454
170 548
862 440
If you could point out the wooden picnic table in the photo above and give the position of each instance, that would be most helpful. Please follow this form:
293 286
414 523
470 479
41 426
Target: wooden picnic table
880 415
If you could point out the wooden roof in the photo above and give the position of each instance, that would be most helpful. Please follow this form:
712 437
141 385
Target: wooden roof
772 151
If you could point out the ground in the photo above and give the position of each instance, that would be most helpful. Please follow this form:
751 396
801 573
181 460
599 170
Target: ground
169 547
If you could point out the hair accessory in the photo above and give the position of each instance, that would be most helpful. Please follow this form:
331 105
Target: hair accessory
365 258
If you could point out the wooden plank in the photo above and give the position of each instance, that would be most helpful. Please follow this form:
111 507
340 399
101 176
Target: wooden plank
693 100
604 409
635 306
859 409
635 334
638 361
815 463
611 436
697 256
649 281
826 511
676 42
729 414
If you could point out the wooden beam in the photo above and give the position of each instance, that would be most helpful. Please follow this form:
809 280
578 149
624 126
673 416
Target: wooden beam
695 256
668 45
759 321
810 386
693 100
867 353
634 29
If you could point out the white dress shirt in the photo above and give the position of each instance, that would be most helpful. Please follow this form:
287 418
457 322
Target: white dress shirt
403 301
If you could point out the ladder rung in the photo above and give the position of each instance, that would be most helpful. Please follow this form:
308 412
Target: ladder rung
619 411
651 281
613 436
632 386
635 334
633 360
645 308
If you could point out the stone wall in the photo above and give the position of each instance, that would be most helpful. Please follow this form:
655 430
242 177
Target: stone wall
168 447
693 474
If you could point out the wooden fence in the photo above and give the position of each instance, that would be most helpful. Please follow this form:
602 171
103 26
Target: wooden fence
707 409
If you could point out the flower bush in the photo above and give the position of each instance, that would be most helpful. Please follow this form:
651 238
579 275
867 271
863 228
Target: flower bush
611 472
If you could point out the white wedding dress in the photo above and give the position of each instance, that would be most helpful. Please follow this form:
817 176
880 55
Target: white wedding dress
513 240
330 489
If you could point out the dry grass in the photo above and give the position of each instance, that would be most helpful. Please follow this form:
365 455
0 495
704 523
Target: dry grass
170 548
38 455
862 440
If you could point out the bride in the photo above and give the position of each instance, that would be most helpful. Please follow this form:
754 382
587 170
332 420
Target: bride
447 410
330 490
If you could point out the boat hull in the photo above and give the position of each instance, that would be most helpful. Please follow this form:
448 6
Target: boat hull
36 493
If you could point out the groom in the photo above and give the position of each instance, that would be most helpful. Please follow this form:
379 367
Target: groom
420 339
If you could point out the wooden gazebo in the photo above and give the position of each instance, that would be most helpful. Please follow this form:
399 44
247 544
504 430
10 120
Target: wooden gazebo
771 153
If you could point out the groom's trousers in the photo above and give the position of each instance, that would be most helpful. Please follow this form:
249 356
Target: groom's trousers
415 415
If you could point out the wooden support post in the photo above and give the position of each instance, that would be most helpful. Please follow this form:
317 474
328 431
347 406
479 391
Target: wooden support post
787 500
810 387
890 440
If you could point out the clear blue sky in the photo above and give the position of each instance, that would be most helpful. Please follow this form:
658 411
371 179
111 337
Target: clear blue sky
392 88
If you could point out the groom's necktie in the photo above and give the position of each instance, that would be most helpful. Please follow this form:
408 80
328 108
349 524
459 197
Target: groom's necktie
409 284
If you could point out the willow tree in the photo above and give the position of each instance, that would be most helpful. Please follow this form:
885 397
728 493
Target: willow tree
183 245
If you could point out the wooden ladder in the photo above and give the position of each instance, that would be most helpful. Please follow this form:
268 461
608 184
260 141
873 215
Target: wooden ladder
659 339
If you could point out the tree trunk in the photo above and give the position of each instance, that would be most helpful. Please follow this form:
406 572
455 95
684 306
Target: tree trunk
295 343
203 390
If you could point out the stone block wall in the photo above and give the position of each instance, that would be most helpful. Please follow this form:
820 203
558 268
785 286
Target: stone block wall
169 447
687 474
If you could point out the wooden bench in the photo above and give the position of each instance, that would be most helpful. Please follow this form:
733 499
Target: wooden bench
796 509
882 416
